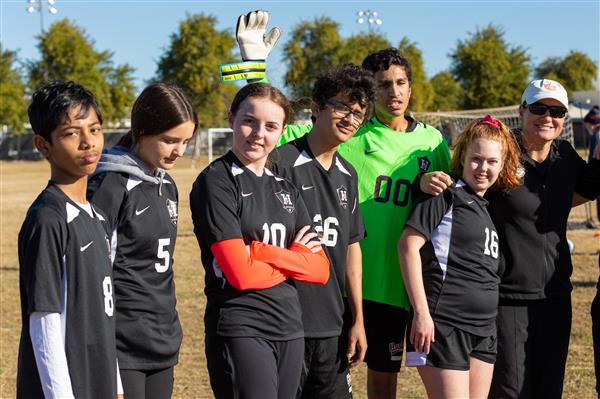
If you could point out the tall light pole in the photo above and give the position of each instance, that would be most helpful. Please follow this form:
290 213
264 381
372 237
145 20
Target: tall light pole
37 6
369 17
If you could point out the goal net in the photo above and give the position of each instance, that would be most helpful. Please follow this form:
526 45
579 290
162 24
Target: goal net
452 123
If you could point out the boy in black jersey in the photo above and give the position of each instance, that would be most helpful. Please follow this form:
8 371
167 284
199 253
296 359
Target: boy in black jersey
342 101
67 346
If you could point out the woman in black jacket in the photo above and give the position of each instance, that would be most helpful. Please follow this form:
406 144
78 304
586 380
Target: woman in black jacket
534 315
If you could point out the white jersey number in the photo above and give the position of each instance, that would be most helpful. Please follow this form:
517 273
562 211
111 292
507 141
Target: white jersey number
109 305
274 234
491 243
327 230
163 254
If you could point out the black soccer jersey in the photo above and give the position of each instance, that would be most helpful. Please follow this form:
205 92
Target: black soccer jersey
229 201
65 268
331 197
143 219
460 259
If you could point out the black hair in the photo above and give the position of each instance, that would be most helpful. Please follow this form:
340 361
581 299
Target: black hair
383 59
158 108
51 102
261 90
350 79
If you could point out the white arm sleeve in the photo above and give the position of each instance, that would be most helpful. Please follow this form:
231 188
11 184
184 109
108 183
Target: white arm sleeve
48 344
119 382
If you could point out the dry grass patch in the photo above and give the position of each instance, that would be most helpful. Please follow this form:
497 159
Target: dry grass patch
21 182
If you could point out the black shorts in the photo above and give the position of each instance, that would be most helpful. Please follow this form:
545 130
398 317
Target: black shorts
325 369
452 349
385 326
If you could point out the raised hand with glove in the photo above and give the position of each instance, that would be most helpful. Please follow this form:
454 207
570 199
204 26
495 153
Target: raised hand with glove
255 47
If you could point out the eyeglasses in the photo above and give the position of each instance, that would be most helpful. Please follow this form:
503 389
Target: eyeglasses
342 110
556 111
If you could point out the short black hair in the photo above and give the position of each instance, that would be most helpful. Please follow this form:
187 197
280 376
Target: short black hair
349 79
383 59
51 102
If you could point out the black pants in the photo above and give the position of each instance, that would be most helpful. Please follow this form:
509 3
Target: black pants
253 368
533 342
596 331
141 384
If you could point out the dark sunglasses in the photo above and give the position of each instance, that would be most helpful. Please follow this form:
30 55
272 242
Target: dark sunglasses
556 111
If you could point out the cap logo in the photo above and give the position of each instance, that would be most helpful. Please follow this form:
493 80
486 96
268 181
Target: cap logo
550 86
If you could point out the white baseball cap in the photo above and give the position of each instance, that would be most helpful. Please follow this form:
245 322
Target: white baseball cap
545 88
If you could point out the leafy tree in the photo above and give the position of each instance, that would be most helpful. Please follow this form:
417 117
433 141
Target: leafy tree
67 53
356 47
192 61
491 72
547 69
447 92
314 46
576 71
421 91
13 110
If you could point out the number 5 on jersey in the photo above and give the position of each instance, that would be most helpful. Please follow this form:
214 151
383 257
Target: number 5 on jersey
163 254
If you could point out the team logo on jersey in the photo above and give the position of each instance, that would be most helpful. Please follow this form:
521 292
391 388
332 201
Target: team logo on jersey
286 200
342 193
172 208
424 163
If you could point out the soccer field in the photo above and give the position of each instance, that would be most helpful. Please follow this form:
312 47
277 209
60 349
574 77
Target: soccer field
20 182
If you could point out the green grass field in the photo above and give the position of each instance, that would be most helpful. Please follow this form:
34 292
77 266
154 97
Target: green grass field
20 183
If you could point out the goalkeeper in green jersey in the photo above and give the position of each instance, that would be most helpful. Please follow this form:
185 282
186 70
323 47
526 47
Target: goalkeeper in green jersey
391 153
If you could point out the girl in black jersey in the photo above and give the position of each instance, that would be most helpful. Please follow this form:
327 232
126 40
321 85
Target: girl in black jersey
252 230
449 260
132 187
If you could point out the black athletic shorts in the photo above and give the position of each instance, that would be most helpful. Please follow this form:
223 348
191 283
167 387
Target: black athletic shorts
385 326
325 369
452 349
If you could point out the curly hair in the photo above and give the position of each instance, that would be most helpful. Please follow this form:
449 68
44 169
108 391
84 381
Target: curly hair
511 174
349 79
383 59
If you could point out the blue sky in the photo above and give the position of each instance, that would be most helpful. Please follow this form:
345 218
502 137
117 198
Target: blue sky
137 32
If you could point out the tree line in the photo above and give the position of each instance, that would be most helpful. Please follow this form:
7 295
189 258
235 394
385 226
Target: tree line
485 70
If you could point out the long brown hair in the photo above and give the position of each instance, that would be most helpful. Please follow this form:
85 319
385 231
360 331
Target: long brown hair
511 174
160 107
263 90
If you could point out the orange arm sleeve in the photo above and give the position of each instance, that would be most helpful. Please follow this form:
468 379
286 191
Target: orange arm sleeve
241 270
298 262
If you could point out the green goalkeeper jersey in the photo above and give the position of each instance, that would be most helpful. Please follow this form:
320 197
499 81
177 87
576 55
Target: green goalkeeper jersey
387 163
